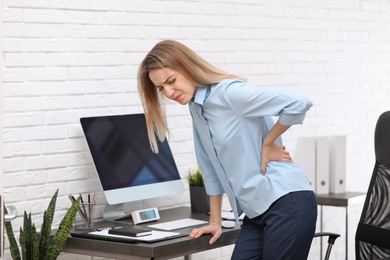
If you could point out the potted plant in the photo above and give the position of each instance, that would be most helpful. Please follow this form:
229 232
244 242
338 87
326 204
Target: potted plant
200 201
41 246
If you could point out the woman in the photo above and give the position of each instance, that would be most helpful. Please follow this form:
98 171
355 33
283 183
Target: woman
238 148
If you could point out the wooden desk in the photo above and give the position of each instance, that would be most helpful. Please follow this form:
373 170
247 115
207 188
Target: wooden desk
340 200
183 246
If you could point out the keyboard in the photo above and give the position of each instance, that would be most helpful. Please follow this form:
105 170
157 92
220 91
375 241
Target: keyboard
178 224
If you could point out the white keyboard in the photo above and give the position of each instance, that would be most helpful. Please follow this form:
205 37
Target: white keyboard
178 224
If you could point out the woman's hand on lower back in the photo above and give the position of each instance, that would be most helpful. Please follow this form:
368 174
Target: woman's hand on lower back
274 152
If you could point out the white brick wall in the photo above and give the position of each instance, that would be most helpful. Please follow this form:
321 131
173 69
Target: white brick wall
68 59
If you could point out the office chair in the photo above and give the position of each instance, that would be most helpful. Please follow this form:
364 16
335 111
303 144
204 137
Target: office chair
373 231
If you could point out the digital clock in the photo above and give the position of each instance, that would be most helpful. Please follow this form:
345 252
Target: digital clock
145 215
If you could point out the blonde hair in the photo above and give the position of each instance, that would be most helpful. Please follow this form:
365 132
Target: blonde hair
174 55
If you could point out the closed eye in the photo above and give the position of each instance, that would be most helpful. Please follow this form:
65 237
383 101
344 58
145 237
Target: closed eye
168 81
172 81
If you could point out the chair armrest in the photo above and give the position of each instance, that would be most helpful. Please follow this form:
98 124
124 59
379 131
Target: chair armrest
332 236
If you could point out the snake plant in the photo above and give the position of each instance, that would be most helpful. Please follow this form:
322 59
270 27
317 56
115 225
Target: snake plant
39 246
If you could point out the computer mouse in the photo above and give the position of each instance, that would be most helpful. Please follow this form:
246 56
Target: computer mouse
228 224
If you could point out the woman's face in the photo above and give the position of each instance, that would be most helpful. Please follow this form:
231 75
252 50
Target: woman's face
173 85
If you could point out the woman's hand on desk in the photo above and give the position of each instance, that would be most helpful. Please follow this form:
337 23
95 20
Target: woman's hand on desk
214 229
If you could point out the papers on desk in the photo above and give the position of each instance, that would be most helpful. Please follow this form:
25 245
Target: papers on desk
153 237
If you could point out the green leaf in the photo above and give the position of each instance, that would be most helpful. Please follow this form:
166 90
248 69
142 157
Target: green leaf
48 217
15 253
34 243
22 243
28 236
63 231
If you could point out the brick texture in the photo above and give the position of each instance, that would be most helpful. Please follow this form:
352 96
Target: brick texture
69 59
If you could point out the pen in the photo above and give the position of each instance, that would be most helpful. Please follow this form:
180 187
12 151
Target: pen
106 228
93 197
82 203
89 209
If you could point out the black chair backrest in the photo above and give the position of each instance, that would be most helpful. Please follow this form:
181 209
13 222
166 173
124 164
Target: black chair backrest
382 139
373 232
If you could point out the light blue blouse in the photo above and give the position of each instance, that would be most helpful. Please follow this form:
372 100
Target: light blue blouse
230 121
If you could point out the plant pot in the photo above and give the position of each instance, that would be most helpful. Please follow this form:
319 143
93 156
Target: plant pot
200 201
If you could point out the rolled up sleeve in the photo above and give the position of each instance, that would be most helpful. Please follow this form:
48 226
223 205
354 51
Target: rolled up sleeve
289 105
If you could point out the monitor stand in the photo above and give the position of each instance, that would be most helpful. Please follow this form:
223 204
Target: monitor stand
115 212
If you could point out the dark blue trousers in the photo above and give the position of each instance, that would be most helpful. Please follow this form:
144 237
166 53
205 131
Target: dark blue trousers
285 231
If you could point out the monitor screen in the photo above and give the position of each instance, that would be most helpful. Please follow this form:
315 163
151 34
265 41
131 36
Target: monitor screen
128 169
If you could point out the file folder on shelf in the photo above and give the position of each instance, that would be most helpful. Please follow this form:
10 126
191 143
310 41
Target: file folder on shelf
337 171
305 157
322 165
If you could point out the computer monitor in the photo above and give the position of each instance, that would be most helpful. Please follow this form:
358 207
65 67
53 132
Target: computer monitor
128 169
